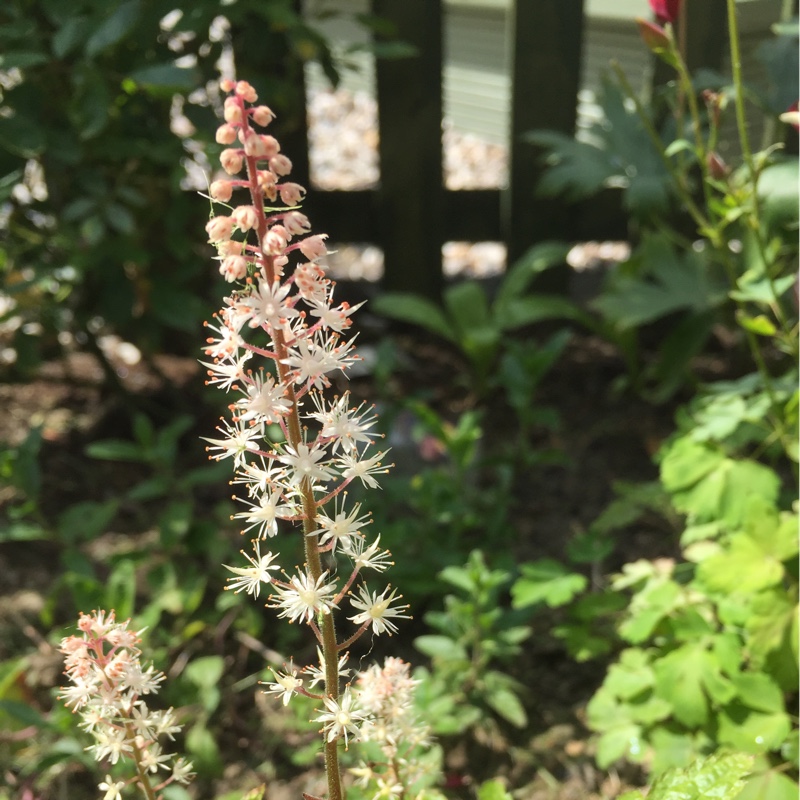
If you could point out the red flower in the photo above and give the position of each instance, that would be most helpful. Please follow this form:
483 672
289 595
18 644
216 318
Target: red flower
666 10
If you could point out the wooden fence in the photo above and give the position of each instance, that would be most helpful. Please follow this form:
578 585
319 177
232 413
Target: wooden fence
410 214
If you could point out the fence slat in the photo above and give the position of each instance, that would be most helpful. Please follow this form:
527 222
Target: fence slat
546 40
410 197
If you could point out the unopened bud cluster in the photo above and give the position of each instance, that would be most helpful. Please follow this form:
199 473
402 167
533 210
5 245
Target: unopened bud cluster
385 696
108 684
275 345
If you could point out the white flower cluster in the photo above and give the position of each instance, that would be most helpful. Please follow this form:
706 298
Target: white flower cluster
385 699
275 343
108 683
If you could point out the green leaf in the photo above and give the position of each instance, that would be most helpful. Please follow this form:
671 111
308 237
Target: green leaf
508 706
113 28
672 749
621 741
203 750
467 307
720 777
70 35
165 76
632 675
206 671
85 521
21 135
758 691
22 59
441 647
416 311
115 450
528 310
546 581
770 785
533 262
121 588
493 790
658 281
752 731
686 677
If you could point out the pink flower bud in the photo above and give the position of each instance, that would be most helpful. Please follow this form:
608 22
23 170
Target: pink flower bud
233 111
219 229
296 223
230 247
245 217
275 242
717 168
313 246
246 91
654 36
666 10
226 84
231 161
221 191
280 165
233 268
291 193
226 134
262 115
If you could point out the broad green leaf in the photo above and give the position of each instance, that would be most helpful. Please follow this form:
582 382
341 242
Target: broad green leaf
416 311
206 671
533 262
546 581
759 325
22 59
773 616
203 750
441 647
21 135
70 35
648 608
621 741
631 675
686 677
467 307
770 785
685 462
534 308
752 731
493 790
115 27
166 75
759 692
85 521
508 706
672 749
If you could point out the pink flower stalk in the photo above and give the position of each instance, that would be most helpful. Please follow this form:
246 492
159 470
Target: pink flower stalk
277 344
108 682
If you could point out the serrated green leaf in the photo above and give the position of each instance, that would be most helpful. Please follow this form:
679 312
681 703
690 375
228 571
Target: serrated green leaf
719 776
758 691
632 675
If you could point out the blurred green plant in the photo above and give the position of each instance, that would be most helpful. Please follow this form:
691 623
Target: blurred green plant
463 690
479 326
95 212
